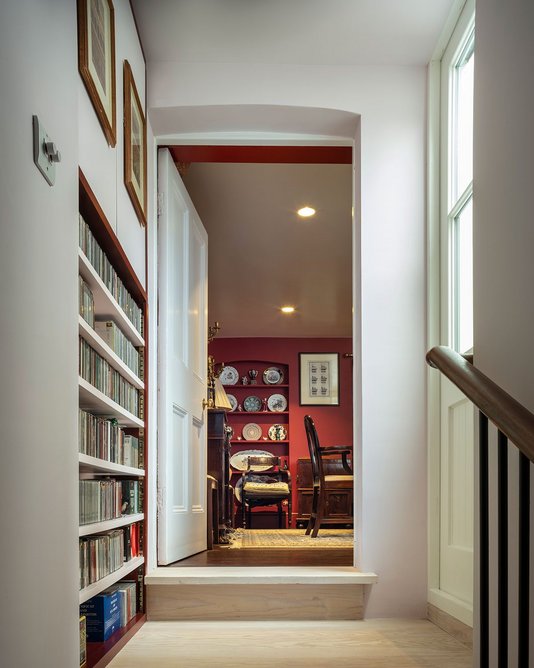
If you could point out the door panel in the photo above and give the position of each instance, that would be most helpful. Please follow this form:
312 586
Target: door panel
182 361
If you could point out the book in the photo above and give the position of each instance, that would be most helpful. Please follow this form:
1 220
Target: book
83 641
102 614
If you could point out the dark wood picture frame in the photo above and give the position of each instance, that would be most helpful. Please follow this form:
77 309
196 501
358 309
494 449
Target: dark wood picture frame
319 387
96 26
135 149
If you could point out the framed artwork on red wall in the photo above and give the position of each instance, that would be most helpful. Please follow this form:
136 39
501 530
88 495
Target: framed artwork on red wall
319 379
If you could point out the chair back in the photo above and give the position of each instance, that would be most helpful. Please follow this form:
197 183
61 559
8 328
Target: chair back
313 447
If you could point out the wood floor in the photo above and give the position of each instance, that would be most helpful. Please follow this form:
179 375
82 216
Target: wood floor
223 556
361 644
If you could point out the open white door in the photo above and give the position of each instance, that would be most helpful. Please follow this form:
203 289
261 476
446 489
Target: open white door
182 369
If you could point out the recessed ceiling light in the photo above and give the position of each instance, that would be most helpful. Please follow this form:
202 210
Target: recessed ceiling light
306 212
287 309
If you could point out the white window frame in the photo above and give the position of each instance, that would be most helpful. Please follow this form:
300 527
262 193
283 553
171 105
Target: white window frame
462 13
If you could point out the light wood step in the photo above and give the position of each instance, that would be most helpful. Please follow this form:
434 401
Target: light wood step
229 593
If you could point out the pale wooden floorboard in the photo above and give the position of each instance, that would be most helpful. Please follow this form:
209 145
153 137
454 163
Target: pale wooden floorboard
358 644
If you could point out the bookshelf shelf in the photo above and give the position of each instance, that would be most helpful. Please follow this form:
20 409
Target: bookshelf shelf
104 583
99 527
105 303
97 466
102 348
97 403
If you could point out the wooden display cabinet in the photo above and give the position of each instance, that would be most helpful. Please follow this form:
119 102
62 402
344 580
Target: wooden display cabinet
264 418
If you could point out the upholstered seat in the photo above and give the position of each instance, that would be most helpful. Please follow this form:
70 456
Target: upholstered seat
265 488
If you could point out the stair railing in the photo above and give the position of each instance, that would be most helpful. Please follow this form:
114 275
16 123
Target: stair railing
515 424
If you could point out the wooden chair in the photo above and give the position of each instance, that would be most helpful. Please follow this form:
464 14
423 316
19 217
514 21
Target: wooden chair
324 483
265 488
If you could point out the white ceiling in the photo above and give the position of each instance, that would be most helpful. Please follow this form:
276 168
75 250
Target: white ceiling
262 255
306 32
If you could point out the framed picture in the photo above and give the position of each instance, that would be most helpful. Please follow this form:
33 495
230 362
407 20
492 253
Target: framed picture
134 145
96 60
319 379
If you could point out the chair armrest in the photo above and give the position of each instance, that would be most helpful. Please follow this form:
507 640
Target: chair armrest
336 449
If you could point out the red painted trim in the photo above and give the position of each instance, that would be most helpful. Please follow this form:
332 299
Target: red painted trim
337 155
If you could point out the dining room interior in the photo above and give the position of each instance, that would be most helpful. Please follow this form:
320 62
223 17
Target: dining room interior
279 227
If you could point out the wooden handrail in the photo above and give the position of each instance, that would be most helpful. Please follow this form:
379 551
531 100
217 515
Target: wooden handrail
513 419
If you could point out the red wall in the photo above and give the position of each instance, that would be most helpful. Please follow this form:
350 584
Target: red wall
334 423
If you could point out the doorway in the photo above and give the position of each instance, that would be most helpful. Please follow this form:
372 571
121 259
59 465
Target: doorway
264 256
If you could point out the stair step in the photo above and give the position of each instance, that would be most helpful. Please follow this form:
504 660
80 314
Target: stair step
227 593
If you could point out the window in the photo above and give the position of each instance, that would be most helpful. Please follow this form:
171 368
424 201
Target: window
459 193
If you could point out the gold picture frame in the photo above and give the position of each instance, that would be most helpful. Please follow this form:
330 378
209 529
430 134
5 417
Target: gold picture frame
134 146
96 61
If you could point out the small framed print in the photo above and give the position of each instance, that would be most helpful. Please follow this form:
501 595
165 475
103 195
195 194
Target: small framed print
96 60
134 145
319 379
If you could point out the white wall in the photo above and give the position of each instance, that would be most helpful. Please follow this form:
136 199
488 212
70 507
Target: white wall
38 316
391 102
103 165
504 195
503 243
38 355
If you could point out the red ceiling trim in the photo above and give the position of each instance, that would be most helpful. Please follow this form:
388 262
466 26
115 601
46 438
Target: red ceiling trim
325 155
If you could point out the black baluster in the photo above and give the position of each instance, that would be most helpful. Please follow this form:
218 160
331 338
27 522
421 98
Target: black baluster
502 533
484 540
524 561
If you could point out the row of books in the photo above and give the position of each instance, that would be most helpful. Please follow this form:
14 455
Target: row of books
102 438
110 610
108 499
103 554
100 500
107 273
86 302
117 341
97 371
100 556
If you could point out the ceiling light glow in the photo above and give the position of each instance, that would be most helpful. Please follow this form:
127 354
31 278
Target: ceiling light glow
306 212
288 309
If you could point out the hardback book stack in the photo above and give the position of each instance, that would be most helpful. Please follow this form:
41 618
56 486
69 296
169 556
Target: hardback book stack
100 500
110 610
97 371
100 555
86 302
113 336
107 273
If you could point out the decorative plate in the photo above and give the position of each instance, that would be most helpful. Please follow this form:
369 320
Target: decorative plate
277 432
233 402
252 432
277 403
252 404
229 375
239 461
273 376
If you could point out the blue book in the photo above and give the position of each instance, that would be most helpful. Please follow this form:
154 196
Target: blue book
103 616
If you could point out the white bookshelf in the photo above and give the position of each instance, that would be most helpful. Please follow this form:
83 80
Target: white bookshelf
97 403
104 583
105 303
108 525
92 400
95 466
97 343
